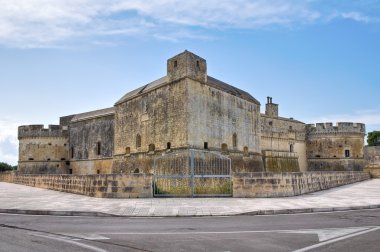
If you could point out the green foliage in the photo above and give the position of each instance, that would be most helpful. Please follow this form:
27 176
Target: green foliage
374 138
6 167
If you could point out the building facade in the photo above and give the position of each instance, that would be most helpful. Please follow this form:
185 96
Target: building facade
186 109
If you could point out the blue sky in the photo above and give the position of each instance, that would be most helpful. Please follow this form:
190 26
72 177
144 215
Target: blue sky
319 59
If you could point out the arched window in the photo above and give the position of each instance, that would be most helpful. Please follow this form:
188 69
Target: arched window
234 140
151 147
127 150
138 141
224 147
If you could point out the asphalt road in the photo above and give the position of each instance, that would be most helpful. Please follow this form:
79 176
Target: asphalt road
336 231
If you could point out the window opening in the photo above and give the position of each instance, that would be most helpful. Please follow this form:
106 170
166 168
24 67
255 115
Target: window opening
245 151
98 149
205 145
234 140
138 141
168 145
347 153
151 147
224 147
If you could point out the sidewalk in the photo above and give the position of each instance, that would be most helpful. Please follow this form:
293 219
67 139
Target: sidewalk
29 200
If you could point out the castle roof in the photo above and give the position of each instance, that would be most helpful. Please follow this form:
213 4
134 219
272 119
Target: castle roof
212 82
93 114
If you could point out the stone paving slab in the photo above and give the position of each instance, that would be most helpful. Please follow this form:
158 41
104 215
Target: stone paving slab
30 200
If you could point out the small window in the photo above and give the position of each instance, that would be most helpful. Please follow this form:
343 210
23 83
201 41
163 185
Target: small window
291 148
234 140
151 147
127 150
270 123
70 171
224 147
175 63
30 159
138 141
347 153
98 172
136 170
49 143
72 152
317 156
98 148
48 159
63 159
290 128
198 65
245 151
205 145
168 145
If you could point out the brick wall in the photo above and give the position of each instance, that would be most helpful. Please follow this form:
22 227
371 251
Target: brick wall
267 184
102 185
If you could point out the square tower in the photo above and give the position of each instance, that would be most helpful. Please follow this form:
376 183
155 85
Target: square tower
189 65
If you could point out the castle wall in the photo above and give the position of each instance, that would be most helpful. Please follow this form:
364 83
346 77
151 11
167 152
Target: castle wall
337 147
157 118
283 144
101 186
91 145
268 184
43 150
372 160
219 118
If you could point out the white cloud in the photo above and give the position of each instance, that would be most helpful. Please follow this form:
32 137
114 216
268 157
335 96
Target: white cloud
368 117
8 142
46 23
38 23
356 16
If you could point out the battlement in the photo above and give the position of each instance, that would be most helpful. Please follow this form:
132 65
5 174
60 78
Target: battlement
28 131
340 127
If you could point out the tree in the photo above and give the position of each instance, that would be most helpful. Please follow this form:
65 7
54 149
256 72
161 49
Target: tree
374 138
6 167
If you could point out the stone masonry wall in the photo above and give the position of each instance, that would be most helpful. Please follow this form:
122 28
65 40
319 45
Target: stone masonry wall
262 184
372 160
227 123
102 186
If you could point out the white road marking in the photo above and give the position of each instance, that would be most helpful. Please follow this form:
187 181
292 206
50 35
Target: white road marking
328 234
324 232
85 236
71 241
336 240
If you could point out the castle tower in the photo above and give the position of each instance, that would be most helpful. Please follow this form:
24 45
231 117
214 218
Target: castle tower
43 150
189 65
271 109
337 147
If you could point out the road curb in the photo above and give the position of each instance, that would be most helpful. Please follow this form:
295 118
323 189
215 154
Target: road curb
258 212
56 213
309 210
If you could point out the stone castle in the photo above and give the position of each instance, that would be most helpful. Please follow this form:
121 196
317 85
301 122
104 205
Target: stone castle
187 109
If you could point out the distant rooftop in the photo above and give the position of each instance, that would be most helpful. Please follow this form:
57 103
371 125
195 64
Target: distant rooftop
93 114
212 82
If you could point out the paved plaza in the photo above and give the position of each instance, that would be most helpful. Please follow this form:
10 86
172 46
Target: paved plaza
29 200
